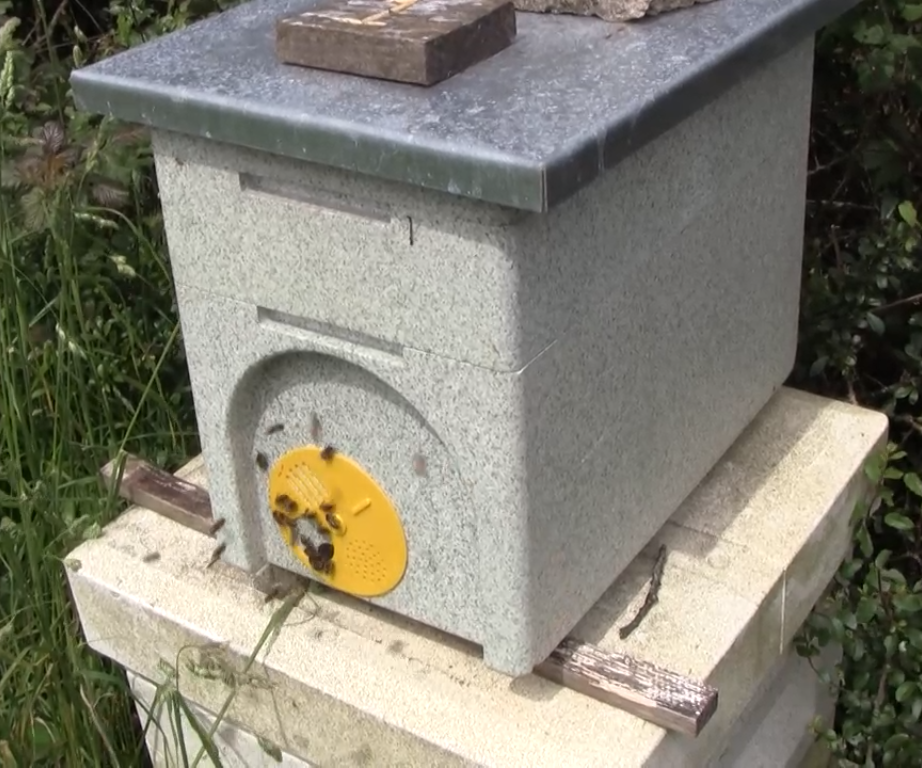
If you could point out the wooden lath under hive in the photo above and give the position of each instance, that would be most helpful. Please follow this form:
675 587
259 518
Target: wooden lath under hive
659 696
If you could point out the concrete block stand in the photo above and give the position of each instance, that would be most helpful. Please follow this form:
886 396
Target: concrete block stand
344 683
531 307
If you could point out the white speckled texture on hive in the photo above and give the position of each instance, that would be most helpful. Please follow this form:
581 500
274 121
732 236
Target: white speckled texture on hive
570 377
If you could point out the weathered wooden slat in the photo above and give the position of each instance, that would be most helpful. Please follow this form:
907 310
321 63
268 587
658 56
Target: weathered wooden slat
411 41
659 696
148 486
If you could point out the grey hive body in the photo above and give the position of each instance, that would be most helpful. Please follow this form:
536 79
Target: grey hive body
567 277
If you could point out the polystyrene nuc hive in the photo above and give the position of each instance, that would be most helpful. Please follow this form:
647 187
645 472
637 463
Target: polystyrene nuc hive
475 412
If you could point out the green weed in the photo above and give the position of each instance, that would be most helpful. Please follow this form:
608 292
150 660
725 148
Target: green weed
92 362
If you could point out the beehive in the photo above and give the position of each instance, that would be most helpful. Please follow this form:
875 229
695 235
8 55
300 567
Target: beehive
440 359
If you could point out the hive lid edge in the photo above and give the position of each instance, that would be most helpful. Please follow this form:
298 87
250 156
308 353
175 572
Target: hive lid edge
481 174
468 136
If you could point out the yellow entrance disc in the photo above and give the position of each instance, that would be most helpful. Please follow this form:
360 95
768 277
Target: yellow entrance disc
358 544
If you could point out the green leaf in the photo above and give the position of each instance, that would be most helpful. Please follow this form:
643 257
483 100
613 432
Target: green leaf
818 366
912 12
92 531
896 740
908 213
898 521
858 649
867 610
890 644
905 691
913 483
915 637
43 740
875 324
849 568
908 603
893 576
874 35
864 542
873 469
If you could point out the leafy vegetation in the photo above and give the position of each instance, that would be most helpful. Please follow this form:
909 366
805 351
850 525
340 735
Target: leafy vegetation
93 361
861 339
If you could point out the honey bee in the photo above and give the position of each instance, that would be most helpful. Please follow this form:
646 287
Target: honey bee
318 557
332 521
321 565
309 549
262 462
275 428
325 551
327 453
274 591
286 503
218 525
326 506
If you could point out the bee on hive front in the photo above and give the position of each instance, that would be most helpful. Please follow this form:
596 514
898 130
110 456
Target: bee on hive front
327 453
308 546
332 520
325 551
287 504
321 564
261 461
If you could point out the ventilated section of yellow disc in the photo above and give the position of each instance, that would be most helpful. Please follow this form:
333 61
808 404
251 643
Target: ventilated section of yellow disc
314 486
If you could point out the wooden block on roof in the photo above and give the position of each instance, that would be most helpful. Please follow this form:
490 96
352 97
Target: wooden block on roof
410 41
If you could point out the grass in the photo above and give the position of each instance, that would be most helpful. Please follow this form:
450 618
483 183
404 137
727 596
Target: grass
64 410
92 363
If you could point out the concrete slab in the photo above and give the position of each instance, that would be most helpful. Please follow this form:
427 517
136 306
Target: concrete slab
775 731
349 684
773 734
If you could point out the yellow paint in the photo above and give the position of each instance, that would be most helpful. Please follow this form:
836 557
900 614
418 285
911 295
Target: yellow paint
370 548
